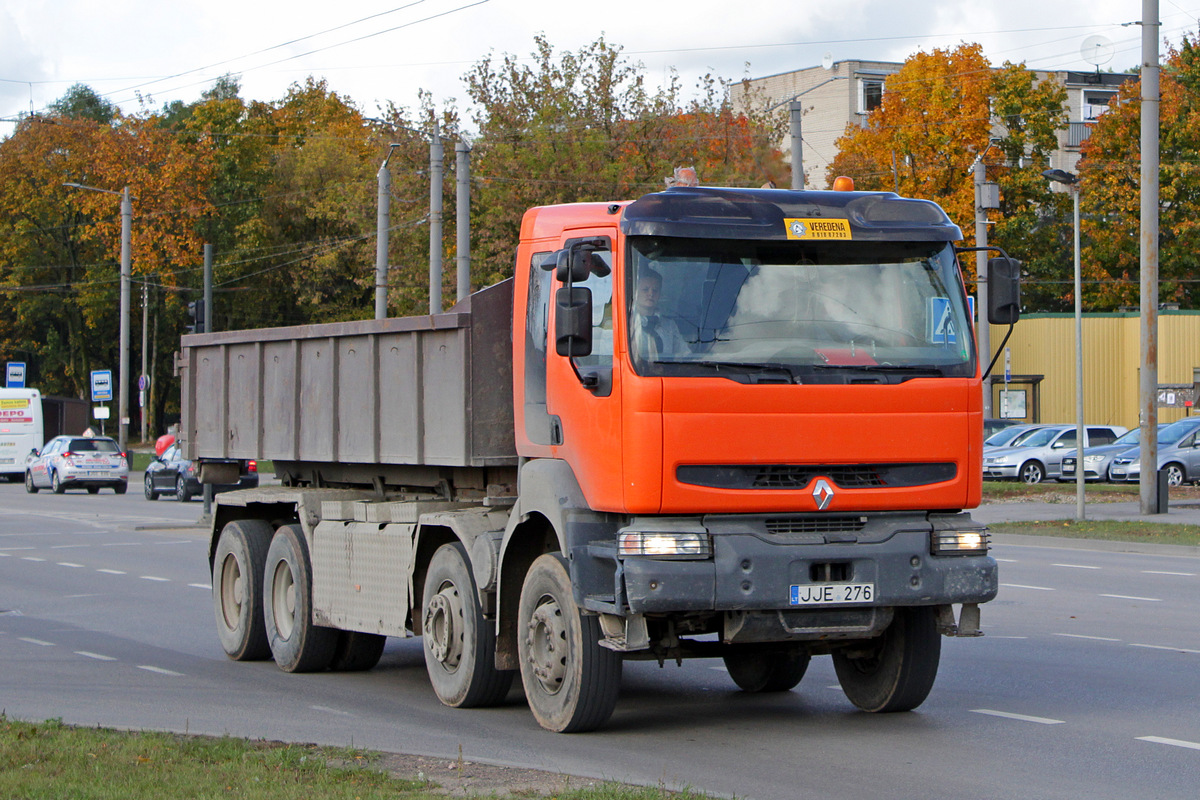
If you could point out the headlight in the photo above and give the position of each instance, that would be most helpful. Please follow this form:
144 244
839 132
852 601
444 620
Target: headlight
963 543
665 544
1093 459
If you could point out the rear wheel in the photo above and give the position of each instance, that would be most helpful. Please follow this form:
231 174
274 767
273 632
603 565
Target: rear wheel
459 643
1175 476
894 672
773 670
356 651
296 643
571 682
1032 472
93 490
121 488
181 490
237 589
56 484
29 486
148 487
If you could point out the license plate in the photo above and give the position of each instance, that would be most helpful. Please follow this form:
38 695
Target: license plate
824 594
1117 470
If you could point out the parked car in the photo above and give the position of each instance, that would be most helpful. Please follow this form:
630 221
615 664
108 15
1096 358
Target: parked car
171 473
1006 436
1038 454
73 462
1178 454
1096 460
991 426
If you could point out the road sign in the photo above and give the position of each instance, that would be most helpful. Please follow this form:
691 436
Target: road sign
143 383
1007 364
941 322
15 375
101 385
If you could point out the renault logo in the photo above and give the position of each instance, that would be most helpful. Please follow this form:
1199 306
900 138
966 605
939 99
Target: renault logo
823 494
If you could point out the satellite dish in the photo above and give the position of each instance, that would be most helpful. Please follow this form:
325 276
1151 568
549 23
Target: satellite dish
827 61
1097 50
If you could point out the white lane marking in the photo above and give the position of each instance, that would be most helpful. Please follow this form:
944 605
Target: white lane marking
998 636
1023 586
120 544
1093 638
181 541
155 578
1164 647
19 548
70 564
97 656
1167 572
31 558
38 642
720 669
1133 597
3 555
1074 566
1018 717
1005 560
68 546
112 571
329 710
160 670
205 586
1172 742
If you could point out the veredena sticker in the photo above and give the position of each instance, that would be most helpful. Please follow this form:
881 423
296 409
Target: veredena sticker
817 228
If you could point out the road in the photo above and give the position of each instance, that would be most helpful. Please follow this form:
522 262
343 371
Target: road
1086 684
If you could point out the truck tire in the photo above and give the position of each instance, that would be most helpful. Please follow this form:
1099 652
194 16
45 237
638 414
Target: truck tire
895 672
356 651
296 643
571 682
459 643
773 670
237 582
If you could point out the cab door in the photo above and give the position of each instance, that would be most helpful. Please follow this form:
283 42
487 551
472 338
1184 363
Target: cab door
583 393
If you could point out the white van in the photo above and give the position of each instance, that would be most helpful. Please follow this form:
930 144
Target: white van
20 429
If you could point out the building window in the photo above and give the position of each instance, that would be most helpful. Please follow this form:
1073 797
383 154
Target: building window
1095 104
870 94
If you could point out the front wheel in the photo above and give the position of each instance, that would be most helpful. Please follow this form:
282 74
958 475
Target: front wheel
29 485
894 672
773 670
148 487
237 583
571 682
459 643
1032 472
297 644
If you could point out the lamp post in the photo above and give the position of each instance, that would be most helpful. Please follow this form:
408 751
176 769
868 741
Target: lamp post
1071 181
795 113
126 273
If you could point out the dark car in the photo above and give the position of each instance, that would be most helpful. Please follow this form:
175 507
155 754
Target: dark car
173 474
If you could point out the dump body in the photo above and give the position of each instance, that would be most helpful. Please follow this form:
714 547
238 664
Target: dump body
349 396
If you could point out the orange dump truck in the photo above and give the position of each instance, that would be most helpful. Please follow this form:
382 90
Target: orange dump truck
708 423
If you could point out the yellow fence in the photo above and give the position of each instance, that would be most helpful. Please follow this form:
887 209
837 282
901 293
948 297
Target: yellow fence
1043 345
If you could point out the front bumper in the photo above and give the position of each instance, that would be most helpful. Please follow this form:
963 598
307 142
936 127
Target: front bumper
1000 471
1125 472
752 572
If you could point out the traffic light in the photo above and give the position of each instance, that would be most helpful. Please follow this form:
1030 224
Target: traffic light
196 312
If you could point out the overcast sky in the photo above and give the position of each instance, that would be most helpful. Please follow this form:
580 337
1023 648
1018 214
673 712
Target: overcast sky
378 50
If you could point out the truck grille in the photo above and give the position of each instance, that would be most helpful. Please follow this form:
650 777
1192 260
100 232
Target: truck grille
790 526
798 476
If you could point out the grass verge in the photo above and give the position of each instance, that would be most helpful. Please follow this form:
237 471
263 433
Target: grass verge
1148 532
40 761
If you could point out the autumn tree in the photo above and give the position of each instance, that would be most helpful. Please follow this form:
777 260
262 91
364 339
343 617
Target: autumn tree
941 112
1110 198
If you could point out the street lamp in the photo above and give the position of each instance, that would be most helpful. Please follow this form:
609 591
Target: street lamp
795 114
126 274
1071 181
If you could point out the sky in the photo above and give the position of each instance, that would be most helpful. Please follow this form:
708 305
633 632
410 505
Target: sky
375 51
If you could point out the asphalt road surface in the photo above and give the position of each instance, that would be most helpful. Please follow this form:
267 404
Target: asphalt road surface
1086 684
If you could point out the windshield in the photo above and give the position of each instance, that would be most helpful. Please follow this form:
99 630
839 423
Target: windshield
812 312
1003 437
1038 437
1171 434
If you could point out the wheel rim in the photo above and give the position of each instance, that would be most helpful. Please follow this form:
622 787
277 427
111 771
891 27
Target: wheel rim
1031 473
283 600
1174 476
233 587
180 489
28 480
149 486
547 642
443 627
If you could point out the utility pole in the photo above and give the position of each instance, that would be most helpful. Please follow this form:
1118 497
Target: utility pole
795 113
143 384
126 274
382 224
462 227
984 333
435 221
1148 373
206 327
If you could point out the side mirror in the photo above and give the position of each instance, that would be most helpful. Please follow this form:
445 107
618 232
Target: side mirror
34 452
573 321
1004 291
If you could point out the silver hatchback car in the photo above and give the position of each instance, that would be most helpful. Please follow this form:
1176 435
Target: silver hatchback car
1178 455
1038 454
83 462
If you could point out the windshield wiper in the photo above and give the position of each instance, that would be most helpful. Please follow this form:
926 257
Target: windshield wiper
751 372
923 369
